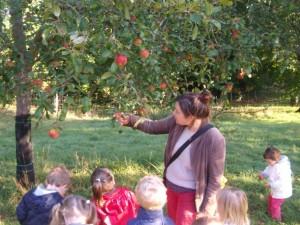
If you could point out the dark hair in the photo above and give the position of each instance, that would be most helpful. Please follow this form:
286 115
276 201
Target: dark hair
98 178
197 105
272 153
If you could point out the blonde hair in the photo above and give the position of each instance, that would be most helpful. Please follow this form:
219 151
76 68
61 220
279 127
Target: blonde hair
74 206
151 193
233 206
58 176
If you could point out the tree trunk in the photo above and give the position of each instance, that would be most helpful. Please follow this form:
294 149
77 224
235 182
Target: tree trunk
25 170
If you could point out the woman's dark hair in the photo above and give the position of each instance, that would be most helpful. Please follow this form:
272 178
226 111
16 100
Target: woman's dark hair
98 178
272 153
197 105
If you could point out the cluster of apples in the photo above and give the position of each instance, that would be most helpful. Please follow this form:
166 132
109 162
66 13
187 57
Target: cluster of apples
121 59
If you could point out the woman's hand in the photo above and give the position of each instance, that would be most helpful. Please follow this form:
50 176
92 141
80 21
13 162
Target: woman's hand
121 118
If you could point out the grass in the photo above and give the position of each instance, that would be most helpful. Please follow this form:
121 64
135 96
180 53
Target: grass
86 143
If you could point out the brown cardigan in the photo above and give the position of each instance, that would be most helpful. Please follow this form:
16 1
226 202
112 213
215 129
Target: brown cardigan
208 154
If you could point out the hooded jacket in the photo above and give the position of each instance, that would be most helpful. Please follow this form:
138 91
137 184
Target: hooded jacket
279 177
36 206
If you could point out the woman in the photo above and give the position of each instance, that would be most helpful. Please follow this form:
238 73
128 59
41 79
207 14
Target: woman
194 178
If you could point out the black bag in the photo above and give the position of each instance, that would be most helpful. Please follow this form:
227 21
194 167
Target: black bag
199 132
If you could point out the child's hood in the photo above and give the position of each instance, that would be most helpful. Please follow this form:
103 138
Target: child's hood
284 161
41 190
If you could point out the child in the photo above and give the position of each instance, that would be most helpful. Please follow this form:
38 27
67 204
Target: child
232 207
151 195
74 210
115 206
36 205
279 177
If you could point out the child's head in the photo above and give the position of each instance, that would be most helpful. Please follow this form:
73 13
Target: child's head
151 193
59 179
102 180
74 210
271 155
233 206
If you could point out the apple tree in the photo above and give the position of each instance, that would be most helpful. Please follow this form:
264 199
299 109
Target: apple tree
60 55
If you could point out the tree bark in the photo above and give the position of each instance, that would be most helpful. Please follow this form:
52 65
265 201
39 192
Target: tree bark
25 170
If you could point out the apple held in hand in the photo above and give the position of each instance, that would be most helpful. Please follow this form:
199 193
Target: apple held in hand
121 60
53 133
144 53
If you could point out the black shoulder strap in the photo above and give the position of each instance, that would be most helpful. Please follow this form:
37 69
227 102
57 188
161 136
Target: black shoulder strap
199 132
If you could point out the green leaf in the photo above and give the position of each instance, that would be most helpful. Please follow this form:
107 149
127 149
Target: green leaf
213 53
107 54
126 12
217 24
56 10
45 36
209 8
106 75
64 112
195 18
38 112
113 68
86 104
226 2
195 32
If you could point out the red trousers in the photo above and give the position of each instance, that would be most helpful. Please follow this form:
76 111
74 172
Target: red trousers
274 207
181 207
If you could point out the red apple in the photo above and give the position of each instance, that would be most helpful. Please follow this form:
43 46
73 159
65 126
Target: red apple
121 60
144 53
37 83
132 18
235 34
53 133
163 85
137 41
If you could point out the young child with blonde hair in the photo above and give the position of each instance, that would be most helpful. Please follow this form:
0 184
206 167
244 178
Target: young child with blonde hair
279 179
114 205
151 195
36 205
74 210
232 207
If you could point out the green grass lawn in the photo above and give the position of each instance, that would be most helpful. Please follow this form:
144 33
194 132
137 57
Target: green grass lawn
86 143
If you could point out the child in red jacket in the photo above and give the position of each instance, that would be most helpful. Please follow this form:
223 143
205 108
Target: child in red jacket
115 205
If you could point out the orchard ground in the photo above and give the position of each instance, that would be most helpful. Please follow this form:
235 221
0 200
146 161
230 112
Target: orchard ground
88 142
